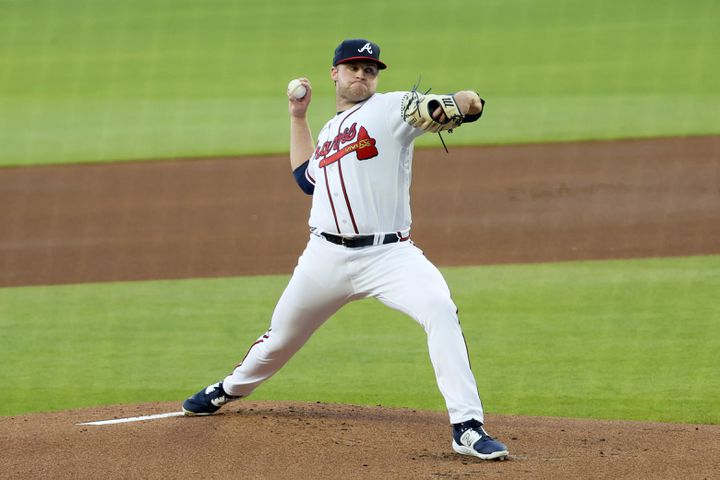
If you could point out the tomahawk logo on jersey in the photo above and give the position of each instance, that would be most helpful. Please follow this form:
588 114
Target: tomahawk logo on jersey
363 146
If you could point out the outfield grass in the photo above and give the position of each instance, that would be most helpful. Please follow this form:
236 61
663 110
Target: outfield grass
99 80
635 339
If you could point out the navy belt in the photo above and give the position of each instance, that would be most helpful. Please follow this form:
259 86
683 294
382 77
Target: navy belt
359 241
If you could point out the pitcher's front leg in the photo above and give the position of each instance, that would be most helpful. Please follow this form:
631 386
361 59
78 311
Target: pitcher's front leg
298 314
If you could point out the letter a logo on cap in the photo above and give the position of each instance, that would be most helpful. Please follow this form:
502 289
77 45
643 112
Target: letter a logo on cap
367 47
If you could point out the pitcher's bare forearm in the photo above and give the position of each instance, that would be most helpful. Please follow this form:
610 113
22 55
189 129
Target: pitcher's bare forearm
301 142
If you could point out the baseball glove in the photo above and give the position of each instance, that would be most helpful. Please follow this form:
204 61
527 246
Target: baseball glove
418 108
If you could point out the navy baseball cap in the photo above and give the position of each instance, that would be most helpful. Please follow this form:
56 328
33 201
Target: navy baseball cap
358 49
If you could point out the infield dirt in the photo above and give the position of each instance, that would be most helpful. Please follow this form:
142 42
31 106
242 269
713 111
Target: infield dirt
241 216
262 440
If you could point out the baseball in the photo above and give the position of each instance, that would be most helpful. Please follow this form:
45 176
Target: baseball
296 89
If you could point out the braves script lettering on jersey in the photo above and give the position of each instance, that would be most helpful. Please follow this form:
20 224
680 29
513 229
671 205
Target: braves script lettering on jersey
359 174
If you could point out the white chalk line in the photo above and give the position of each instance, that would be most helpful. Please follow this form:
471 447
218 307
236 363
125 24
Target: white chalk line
134 419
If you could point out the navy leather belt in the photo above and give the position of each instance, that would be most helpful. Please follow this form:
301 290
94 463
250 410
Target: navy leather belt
359 241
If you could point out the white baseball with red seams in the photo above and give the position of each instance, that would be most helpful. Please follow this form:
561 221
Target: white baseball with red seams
296 89
361 169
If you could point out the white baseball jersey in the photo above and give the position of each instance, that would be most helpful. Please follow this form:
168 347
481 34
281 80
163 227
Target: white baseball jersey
371 193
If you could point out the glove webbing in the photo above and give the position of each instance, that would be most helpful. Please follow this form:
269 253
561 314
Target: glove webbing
415 98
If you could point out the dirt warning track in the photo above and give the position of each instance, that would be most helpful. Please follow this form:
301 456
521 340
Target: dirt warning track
244 216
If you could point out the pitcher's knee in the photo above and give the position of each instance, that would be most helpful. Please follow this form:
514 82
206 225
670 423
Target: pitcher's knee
274 344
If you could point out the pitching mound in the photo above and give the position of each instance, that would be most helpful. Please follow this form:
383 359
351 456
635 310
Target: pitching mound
298 441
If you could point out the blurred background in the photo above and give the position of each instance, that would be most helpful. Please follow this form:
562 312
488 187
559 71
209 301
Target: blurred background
97 80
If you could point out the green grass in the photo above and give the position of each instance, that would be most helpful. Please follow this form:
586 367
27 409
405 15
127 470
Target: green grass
637 339
100 80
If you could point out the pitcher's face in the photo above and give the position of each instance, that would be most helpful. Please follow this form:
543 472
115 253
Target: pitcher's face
355 81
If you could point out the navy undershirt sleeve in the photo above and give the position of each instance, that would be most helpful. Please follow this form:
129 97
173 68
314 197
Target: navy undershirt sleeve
302 180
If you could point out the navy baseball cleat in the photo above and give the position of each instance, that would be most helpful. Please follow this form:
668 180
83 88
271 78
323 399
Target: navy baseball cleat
470 438
207 401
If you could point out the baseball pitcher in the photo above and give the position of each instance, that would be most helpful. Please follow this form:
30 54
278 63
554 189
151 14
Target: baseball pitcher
358 173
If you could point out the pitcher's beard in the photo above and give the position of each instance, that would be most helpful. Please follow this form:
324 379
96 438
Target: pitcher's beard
358 92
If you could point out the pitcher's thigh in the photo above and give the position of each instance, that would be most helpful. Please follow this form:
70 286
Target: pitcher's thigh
413 285
303 307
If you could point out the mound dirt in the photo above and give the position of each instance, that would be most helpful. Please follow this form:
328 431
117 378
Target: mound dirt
262 440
